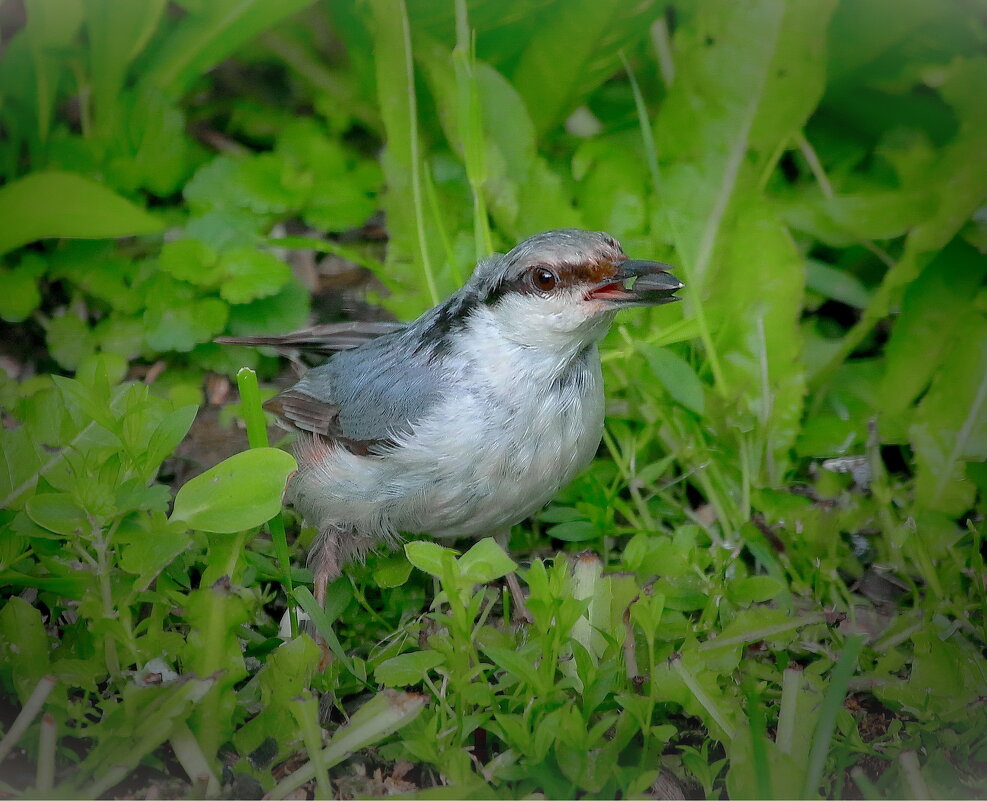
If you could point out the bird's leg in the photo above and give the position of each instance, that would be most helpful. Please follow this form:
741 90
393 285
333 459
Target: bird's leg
521 613
324 561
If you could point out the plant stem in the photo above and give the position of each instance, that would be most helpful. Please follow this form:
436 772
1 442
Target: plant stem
27 714
253 416
832 702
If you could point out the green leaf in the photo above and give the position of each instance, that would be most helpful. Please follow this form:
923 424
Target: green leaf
190 260
486 561
23 646
284 311
721 130
392 571
836 284
167 436
239 493
209 34
58 512
574 531
575 51
177 318
20 295
405 669
249 274
754 589
70 340
934 310
428 556
677 376
116 35
950 424
148 549
63 204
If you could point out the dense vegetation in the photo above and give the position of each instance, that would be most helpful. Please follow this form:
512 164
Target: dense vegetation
770 582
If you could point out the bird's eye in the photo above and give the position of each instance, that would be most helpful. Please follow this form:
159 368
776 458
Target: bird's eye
544 279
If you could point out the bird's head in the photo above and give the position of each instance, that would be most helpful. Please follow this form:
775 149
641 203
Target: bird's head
560 289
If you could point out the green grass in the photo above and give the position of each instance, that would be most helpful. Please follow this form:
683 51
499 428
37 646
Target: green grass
770 583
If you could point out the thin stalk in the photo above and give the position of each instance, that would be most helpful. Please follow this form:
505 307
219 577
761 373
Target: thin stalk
661 38
435 209
867 788
27 714
791 688
758 727
831 705
815 165
45 776
192 759
306 712
415 146
913 775
644 123
106 597
702 697
471 128
253 415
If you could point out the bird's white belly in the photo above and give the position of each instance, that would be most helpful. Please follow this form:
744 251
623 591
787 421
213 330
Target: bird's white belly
474 466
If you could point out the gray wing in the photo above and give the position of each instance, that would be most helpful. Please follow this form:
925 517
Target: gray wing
366 396
327 339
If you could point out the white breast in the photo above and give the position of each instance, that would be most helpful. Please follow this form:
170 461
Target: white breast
519 427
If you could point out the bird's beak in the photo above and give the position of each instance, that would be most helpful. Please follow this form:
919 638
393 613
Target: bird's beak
652 285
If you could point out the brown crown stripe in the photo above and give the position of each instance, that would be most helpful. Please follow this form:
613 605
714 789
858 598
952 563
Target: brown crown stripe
593 272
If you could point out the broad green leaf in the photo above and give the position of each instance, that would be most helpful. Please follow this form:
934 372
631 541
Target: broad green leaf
58 512
69 340
840 285
754 589
275 314
428 556
950 424
957 191
285 675
727 118
24 647
239 493
190 260
486 561
249 274
21 460
207 35
677 376
148 549
167 436
844 220
574 531
392 571
934 309
577 48
405 669
63 204
116 34
403 200
20 295
178 319
729 114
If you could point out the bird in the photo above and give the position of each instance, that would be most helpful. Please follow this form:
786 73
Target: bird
469 419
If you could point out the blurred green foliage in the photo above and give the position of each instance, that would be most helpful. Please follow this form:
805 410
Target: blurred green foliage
789 597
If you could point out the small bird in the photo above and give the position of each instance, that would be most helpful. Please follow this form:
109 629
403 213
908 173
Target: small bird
472 417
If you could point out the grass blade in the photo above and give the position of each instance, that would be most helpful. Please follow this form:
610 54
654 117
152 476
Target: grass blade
253 416
832 702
